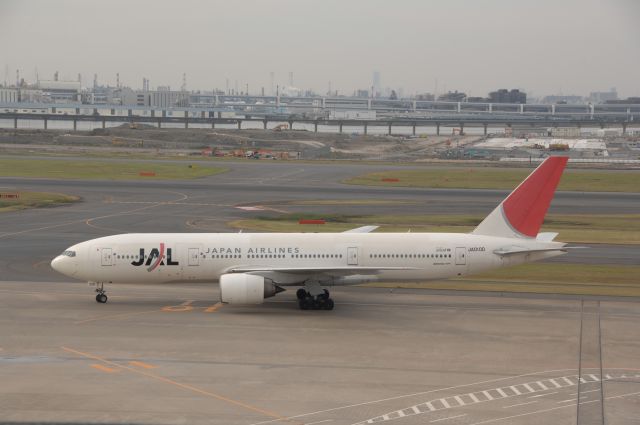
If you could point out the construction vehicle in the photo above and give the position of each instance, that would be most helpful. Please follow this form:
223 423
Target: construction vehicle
281 127
558 147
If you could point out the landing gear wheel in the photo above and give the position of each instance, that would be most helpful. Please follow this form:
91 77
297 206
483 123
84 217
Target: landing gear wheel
305 303
301 294
101 298
328 305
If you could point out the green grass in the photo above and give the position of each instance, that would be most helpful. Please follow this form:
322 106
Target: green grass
616 229
556 278
35 200
102 170
501 178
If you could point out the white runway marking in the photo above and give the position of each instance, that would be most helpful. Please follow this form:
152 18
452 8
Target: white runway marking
446 419
502 393
553 381
553 408
567 381
585 392
519 404
542 395
399 397
541 385
456 401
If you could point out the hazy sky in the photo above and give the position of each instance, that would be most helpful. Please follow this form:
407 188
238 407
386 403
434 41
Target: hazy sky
542 46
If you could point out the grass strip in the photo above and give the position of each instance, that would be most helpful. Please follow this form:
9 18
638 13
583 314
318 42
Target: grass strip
102 170
500 178
574 228
556 278
35 200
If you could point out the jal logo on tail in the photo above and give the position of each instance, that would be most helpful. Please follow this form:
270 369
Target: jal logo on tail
155 258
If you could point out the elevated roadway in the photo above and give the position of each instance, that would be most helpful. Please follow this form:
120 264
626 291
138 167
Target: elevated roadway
452 120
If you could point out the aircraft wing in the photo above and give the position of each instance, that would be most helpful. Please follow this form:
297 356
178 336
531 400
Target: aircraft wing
347 270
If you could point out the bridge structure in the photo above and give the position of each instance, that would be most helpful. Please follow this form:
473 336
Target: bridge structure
321 112
438 122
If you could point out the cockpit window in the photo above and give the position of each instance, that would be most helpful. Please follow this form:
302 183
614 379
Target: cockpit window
69 253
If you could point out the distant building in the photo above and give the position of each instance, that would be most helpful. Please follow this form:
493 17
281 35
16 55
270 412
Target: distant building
362 93
477 99
603 96
102 95
60 91
627 101
159 98
455 96
507 96
8 95
33 95
202 99
425 96
377 87
560 99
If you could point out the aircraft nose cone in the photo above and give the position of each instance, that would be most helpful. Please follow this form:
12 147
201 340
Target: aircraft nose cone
63 265
56 263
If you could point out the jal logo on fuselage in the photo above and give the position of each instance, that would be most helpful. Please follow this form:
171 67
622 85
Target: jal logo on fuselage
155 258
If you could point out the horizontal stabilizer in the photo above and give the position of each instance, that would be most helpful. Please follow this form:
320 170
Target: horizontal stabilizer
363 229
546 236
512 250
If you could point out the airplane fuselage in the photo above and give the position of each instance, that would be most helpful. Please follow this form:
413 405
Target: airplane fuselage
189 257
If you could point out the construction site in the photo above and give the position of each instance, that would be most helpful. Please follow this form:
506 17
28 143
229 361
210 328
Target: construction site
282 143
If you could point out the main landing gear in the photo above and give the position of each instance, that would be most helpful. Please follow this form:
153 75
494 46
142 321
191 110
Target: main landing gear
320 301
101 297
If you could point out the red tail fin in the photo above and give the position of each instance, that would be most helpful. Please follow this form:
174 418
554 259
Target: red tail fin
522 212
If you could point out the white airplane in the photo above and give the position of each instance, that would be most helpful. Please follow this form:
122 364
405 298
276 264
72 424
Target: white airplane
253 266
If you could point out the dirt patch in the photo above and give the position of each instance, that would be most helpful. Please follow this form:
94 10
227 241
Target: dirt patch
304 144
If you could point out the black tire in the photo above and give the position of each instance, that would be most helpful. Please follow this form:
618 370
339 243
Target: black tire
301 294
98 298
304 304
103 298
328 305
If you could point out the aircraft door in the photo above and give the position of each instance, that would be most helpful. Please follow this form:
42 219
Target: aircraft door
194 256
352 256
461 256
107 256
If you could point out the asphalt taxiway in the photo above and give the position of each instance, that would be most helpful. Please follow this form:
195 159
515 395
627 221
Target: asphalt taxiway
174 355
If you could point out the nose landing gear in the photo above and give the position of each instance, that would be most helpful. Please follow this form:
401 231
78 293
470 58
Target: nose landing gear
101 297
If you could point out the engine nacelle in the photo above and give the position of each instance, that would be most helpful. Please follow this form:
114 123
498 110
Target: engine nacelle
243 288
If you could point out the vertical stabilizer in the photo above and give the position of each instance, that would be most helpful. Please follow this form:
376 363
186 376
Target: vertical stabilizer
521 214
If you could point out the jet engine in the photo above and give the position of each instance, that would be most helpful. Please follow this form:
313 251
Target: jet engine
244 288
